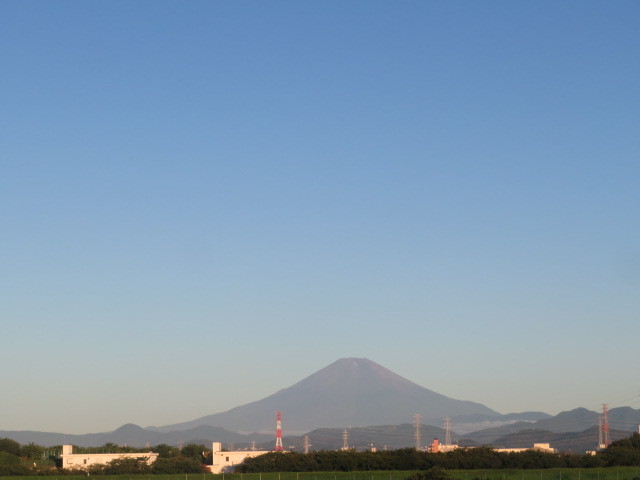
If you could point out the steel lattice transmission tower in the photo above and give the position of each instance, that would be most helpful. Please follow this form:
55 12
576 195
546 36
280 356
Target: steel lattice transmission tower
600 440
306 444
279 447
345 440
416 421
447 430
605 425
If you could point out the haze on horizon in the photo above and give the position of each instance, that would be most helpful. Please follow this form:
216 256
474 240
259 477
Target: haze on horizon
204 203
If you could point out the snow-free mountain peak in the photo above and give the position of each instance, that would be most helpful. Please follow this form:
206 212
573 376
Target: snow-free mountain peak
347 393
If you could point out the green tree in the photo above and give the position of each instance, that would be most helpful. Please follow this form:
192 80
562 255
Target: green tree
127 466
14 471
194 451
179 464
624 452
8 459
9 446
31 451
165 451
434 473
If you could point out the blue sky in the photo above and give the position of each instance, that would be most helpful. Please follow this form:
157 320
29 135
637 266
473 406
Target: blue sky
202 203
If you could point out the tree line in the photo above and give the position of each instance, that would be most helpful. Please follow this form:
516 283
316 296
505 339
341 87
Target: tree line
32 459
625 452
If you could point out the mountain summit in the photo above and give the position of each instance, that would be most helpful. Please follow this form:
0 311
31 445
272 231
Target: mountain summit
351 392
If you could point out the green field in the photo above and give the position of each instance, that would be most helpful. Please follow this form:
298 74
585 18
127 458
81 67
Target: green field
612 473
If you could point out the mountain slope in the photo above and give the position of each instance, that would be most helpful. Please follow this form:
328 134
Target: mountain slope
464 424
623 419
380 436
348 393
135 436
577 442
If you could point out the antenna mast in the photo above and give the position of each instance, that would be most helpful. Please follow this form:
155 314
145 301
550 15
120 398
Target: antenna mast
279 447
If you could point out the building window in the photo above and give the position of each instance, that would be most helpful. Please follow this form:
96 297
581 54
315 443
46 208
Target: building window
227 459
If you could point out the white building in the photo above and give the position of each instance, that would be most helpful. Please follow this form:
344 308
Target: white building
85 460
225 461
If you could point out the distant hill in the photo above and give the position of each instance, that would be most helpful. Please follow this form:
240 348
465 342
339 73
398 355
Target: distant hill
575 430
574 420
363 438
351 392
135 436
488 435
576 442
393 436
520 434
464 424
355 393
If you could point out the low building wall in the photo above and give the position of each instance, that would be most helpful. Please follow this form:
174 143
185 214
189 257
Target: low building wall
85 460
541 447
226 461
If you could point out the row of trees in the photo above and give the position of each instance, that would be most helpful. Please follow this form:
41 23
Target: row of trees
624 452
32 459
30 450
134 466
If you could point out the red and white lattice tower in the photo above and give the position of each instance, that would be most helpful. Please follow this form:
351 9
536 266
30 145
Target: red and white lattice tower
279 447
605 425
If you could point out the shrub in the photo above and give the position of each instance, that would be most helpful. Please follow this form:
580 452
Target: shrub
434 473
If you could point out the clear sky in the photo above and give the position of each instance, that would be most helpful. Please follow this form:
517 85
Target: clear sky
204 202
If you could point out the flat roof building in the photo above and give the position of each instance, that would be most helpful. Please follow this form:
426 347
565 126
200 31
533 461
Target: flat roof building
541 447
226 461
85 460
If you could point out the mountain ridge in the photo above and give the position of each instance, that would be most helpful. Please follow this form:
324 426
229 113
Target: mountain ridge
518 434
361 395
578 420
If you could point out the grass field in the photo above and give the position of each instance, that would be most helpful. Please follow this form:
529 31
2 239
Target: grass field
613 473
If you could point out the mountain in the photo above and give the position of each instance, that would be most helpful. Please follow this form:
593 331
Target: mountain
136 436
576 422
576 442
464 424
488 435
351 392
